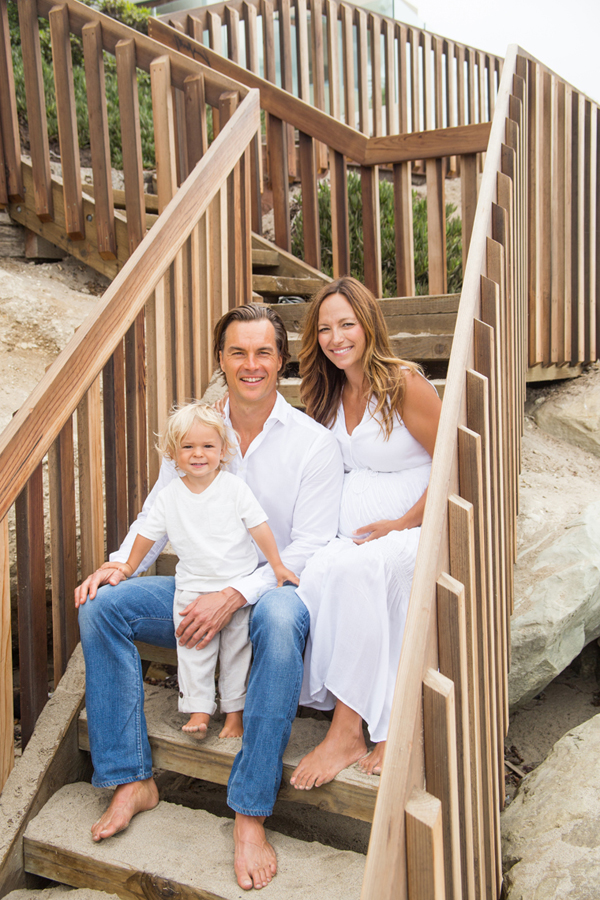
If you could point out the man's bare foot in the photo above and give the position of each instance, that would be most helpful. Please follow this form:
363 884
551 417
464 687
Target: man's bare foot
234 725
372 764
197 725
255 862
127 801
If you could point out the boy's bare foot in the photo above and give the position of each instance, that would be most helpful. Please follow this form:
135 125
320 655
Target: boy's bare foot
234 726
373 762
127 800
197 726
255 862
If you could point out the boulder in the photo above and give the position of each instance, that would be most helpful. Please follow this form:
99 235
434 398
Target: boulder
560 611
573 414
551 830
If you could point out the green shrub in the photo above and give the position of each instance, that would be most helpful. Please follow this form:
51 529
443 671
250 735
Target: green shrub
129 14
388 249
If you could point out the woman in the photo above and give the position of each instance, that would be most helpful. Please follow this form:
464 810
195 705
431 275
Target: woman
385 415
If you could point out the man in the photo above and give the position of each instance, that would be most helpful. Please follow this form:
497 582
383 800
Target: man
293 466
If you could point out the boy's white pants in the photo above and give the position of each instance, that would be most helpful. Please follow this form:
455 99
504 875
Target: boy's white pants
196 668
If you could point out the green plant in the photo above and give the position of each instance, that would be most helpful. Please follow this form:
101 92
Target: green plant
388 249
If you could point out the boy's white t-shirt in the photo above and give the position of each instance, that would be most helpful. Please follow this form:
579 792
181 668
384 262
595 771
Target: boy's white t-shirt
207 531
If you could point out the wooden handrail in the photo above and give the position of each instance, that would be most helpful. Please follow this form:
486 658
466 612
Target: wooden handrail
25 441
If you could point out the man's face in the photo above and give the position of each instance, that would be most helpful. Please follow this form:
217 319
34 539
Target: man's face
250 361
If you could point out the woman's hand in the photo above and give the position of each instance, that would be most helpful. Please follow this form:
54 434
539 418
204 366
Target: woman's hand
376 530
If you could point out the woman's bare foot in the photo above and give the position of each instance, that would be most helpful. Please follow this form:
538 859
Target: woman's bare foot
197 726
255 862
344 745
372 764
127 801
234 726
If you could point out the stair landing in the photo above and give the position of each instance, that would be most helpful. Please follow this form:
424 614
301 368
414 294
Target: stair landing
172 851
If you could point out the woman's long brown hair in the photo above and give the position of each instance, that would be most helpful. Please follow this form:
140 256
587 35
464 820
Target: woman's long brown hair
322 381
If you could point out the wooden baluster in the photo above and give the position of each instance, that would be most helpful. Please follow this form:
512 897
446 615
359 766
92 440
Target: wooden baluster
369 178
450 103
7 752
578 219
478 421
333 58
310 202
217 231
462 568
471 488
596 231
347 15
375 23
428 88
232 22
340 237
403 215
441 769
135 354
195 117
461 106
63 548
481 78
257 175
468 187
591 183
99 141
3 180
89 446
414 38
215 43
391 107
31 577
195 25
287 78
9 122
484 345
559 205
470 61
277 132
66 114
170 373
201 298
115 449
180 134
544 175
36 110
437 46
249 15
270 68
245 221
362 47
318 69
534 228
436 226
491 82
301 17
452 649
424 847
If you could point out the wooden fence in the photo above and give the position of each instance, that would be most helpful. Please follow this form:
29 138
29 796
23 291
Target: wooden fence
435 147
436 828
86 433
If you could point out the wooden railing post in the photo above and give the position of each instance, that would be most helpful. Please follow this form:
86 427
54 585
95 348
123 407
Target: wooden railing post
91 504
31 576
6 665
10 144
36 109
310 201
278 173
340 237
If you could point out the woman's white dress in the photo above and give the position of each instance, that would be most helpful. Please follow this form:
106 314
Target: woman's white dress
357 595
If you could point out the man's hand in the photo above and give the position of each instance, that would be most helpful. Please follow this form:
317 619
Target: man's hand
207 615
108 573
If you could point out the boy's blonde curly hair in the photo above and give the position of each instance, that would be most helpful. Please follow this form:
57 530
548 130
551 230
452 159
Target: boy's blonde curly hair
182 420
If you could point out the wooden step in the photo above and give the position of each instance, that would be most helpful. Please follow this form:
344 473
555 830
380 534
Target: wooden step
265 258
416 347
407 315
285 285
351 793
173 851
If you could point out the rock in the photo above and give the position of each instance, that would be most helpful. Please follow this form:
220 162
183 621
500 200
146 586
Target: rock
560 612
574 414
551 830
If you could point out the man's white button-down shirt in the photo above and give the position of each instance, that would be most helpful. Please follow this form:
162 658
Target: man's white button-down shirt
294 468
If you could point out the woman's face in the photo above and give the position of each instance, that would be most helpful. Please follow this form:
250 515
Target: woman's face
341 336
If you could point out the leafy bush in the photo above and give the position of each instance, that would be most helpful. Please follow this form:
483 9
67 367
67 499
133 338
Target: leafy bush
388 249
126 12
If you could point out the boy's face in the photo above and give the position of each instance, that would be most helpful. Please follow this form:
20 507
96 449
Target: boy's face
250 361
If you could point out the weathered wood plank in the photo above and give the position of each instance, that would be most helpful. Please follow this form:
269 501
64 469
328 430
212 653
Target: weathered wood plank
424 847
7 752
9 123
115 450
91 502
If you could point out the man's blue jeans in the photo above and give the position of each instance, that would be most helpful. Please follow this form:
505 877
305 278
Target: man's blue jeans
141 609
